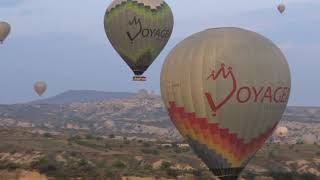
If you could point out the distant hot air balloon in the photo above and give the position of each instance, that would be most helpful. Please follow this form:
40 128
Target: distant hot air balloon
309 139
281 131
40 87
4 31
138 30
281 8
226 90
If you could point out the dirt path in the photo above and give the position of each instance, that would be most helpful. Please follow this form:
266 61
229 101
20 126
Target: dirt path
22 175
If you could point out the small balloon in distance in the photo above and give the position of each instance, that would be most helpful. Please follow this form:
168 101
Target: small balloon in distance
281 8
281 131
40 87
5 29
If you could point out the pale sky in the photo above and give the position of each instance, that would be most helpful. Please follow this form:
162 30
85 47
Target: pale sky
63 43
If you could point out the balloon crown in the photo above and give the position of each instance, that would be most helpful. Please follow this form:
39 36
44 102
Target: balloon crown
223 70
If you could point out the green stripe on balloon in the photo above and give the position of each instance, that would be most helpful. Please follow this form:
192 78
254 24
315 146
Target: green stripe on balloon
135 57
139 9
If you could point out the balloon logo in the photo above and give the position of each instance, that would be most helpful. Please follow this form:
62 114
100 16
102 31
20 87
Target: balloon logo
138 30
4 31
40 87
225 90
213 76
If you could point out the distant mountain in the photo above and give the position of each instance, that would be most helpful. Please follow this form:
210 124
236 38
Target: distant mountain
141 114
299 113
82 96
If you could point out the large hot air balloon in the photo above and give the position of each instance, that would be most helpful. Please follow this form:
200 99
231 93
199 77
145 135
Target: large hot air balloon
40 87
281 8
226 90
4 31
138 30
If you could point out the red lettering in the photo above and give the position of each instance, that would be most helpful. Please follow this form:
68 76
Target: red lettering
285 95
267 94
248 95
256 94
277 100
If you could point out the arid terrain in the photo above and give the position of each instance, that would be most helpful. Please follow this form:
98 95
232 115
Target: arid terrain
130 136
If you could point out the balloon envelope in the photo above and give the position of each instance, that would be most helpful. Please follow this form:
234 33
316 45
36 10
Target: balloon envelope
309 139
138 30
40 87
281 8
281 131
226 90
4 31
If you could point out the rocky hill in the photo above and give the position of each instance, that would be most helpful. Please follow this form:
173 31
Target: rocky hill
139 114
82 96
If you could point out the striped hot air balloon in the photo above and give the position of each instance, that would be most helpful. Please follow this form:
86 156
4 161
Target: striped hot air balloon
226 90
138 30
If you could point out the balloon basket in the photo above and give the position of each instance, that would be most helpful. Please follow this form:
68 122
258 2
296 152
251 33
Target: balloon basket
139 78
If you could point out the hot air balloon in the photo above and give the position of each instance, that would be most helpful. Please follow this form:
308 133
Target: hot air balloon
40 87
225 90
4 31
281 131
281 8
138 30
309 139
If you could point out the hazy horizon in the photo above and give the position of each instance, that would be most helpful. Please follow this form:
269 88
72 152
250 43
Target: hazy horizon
65 45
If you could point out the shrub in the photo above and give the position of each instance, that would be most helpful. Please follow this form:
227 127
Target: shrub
172 173
74 138
197 173
47 135
165 165
155 152
99 138
112 136
119 164
83 162
150 151
46 166
88 136
181 150
106 145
